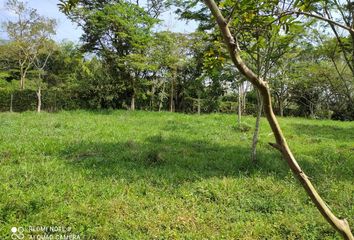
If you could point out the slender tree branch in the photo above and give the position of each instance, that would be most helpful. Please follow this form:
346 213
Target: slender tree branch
308 14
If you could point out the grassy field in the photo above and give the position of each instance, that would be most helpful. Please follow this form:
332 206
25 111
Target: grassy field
143 175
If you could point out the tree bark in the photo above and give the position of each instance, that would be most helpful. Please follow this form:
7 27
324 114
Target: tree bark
132 103
161 97
243 95
23 73
172 105
312 110
22 80
199 107
11 102
39 98
341 225
171 97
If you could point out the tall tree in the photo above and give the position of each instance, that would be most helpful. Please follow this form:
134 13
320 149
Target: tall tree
119 32
40 63
27 34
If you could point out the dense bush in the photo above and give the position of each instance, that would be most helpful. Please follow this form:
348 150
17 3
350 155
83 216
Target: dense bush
52 100
25 100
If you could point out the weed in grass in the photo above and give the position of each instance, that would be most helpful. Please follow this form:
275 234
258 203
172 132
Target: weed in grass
154 158
131 144
243 127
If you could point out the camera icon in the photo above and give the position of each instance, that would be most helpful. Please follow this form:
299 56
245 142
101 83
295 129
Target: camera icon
17 233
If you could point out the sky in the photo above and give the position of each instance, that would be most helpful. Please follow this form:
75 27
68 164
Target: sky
69 31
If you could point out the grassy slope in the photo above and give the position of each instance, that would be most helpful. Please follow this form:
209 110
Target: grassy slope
142 175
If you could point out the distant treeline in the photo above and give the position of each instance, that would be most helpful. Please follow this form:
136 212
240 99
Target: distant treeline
57 100
54 100
123 63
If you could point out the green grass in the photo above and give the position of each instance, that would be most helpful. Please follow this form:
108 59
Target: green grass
144 175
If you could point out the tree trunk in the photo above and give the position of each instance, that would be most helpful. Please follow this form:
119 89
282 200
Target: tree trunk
22 80
132 103
281 107
11 102
199 107
161 98
152 101
39 98
160 106
239 115
256 130
312 111
341 225
243 95
171 98
172 93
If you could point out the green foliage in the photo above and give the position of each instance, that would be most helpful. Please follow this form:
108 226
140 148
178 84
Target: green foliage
120 34
129 24
53 100
5 85
67 5
89 171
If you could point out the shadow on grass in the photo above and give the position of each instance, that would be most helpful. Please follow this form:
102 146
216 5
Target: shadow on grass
323 131
176 160
170 159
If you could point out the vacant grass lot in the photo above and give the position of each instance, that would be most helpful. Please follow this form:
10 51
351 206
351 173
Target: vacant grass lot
143 175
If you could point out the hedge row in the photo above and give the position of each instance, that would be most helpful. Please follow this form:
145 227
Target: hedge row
26 100
57 99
